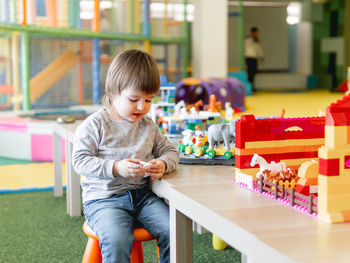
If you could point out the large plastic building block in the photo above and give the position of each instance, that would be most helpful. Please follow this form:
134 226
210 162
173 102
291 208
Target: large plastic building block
308 182
338 113
329 167
334 175
308 173
302 189
336 136
250 129
308 170
273 139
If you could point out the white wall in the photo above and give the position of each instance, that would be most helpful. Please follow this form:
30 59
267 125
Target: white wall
304 48
209 39
273 30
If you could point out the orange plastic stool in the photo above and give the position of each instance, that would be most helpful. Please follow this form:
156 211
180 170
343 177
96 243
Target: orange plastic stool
92 252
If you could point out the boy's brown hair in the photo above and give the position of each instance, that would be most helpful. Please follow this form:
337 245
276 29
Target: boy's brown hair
132 68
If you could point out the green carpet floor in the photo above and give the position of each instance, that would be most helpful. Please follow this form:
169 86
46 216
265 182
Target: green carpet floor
35 228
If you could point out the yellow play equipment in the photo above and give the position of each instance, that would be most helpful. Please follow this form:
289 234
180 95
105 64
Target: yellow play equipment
44 80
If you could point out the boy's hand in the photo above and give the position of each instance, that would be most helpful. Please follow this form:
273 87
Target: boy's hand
156 169
128 167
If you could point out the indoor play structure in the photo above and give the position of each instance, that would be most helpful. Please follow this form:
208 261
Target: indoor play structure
56 53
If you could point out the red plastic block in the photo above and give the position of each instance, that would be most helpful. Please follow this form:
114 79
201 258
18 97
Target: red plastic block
329 167
303 189
338 113
346 162
248 129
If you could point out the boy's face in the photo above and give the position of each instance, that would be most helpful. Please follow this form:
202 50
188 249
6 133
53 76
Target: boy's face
131 105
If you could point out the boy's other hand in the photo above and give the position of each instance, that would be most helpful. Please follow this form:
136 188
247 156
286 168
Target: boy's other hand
128 167
156 169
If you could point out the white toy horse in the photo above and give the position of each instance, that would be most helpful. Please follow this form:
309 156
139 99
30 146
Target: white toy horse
273 167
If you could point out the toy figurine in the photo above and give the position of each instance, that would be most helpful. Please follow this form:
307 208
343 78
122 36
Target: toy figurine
273 167
188 134
229 111
221 132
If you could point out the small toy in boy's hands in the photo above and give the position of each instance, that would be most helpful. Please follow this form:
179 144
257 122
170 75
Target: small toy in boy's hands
145 164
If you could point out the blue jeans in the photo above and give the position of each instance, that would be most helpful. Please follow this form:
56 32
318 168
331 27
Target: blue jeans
113 220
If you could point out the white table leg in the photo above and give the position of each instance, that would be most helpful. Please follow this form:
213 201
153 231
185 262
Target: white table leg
57 163
245 259
181 247
73 185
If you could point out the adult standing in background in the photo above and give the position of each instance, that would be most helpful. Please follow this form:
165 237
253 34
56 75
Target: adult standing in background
252 53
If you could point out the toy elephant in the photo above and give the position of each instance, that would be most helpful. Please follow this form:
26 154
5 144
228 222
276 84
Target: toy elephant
221 132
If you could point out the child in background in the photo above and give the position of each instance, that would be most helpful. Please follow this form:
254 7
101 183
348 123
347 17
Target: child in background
109 151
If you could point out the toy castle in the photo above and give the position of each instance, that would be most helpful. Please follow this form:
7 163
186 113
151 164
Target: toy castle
334 175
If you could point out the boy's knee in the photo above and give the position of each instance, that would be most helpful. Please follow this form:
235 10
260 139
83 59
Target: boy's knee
118 241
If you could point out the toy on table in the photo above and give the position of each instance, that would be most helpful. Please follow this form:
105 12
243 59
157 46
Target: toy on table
182 119
199 150
272 167
221 132
187 139
213 107
229 111
308 178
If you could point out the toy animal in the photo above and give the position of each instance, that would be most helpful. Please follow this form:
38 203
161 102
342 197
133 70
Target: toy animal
273 167
188 135
221 132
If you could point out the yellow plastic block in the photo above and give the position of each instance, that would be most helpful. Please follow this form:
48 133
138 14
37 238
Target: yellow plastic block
333 195
336 136
308 169
296 162
280 149
302 181
330 217
333 184
331 153
284 143
334 202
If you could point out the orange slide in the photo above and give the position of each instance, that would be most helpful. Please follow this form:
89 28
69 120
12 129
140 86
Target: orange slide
44 80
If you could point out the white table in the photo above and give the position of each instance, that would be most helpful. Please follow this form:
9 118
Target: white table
66 132
262 229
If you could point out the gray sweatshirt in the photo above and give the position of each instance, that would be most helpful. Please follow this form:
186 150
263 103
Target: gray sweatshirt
100 141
